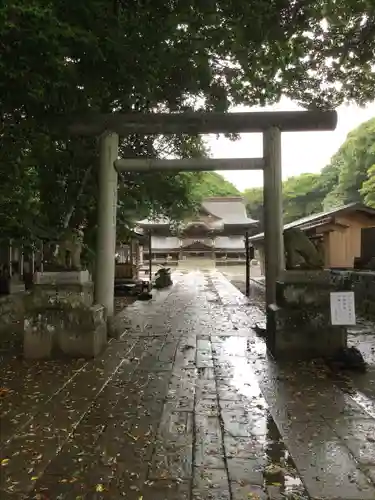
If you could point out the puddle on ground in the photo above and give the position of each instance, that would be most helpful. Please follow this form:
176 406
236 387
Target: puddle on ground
275 461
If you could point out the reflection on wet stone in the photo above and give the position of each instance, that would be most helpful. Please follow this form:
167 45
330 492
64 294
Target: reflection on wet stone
165 490
209 452
359 437
251 491
210 484
206 373
240 423
206 389
181 391
172 456
206 407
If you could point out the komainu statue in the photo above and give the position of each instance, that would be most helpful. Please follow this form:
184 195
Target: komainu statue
69 249
300 251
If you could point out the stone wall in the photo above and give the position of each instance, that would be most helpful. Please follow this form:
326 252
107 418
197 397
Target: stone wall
299 324
12 309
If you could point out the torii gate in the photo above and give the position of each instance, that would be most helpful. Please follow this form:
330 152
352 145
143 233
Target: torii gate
271 124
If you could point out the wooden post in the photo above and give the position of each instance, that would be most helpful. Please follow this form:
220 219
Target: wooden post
136 251
106 236
273 211
22 261
136 257
32 262
149 261
247 264
131 252
10 258
41 256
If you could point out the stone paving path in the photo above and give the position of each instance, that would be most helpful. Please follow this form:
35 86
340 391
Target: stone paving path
186 405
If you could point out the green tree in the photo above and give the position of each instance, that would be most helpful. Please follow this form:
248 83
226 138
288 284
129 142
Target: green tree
254 204
349 177
350 165
301 196
327 183
368 188
214 184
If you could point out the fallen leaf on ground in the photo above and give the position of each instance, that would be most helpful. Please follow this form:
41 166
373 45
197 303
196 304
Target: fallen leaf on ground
4 391
273 470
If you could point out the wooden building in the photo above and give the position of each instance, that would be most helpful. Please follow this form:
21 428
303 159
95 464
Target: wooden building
338 233
216 233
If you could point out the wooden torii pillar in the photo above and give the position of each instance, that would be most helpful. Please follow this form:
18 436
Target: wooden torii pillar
270 124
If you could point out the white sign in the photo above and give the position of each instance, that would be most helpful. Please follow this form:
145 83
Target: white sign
342 308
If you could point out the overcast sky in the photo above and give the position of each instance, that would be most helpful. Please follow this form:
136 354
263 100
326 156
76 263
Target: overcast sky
301 152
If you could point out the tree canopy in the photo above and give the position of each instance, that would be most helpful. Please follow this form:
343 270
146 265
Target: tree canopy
354 160
348 178
59 59
214 184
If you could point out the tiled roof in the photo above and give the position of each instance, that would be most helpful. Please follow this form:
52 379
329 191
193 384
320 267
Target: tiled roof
230 209
317 219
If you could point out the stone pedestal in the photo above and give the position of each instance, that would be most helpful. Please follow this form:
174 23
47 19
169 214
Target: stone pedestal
76 285
11 286
60 318
302 334
299 324
65 331
16 285
61 277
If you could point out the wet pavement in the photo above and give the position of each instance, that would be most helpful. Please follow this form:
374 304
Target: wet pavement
185 405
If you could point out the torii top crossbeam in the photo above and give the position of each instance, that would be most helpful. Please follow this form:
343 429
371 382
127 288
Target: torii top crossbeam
203 123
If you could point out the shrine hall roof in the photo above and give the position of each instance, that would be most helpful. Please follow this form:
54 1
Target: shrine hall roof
230 209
